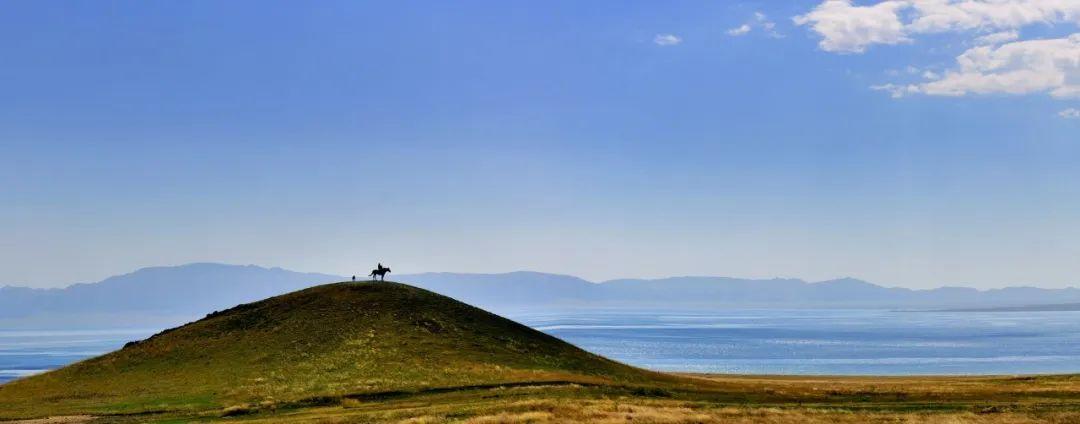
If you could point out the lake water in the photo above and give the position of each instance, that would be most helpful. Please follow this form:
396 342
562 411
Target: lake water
29 352
731 341
829 341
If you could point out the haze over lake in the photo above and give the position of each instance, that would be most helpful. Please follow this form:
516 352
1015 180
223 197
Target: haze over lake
829 341
752 341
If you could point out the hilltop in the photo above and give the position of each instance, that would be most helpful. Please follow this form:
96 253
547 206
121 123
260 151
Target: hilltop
325 341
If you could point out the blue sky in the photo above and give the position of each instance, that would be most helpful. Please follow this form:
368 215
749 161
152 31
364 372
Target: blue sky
915 144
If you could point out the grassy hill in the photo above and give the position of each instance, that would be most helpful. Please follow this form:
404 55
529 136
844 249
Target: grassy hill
322 342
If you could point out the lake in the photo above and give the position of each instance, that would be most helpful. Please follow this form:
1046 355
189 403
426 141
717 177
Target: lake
837 342
29 352
752 341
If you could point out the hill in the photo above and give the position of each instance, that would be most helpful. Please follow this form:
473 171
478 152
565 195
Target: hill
325 341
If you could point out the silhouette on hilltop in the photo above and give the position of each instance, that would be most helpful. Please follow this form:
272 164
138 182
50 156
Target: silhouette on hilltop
379 273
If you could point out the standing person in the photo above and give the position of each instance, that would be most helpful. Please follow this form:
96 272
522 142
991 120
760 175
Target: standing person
354 278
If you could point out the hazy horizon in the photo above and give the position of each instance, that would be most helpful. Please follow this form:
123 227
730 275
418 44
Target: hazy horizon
911 144
407 273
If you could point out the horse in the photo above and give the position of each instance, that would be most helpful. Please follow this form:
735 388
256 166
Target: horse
379 272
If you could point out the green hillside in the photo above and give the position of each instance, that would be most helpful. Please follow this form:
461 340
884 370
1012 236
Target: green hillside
325 341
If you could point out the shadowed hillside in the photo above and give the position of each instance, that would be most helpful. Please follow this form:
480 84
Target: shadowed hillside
331 340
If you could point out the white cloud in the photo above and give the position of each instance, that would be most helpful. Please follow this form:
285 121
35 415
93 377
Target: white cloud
739 31
998 38
1070 113
1021 67
1001 62
846 28
767 25
849 28
953 15
667 40
760 20
896 90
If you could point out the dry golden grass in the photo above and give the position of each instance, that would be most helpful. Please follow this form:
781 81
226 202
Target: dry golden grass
663 412
67 419
667 412
595 405
950 389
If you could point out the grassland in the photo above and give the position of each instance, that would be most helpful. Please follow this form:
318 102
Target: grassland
707 399
732 399
384 352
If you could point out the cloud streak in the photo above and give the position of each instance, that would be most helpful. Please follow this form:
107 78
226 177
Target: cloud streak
761 22
665 40
739 30
998 38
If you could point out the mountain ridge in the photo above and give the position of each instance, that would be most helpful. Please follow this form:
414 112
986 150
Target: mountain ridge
161 296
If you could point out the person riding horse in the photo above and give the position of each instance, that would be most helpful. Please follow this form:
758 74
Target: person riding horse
379 272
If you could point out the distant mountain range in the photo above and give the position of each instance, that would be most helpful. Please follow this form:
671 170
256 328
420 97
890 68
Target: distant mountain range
163 296
149 297
1053 307
526 290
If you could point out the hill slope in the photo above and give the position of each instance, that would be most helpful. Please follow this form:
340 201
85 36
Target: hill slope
330 340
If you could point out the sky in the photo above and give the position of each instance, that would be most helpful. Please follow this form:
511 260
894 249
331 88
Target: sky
910 143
